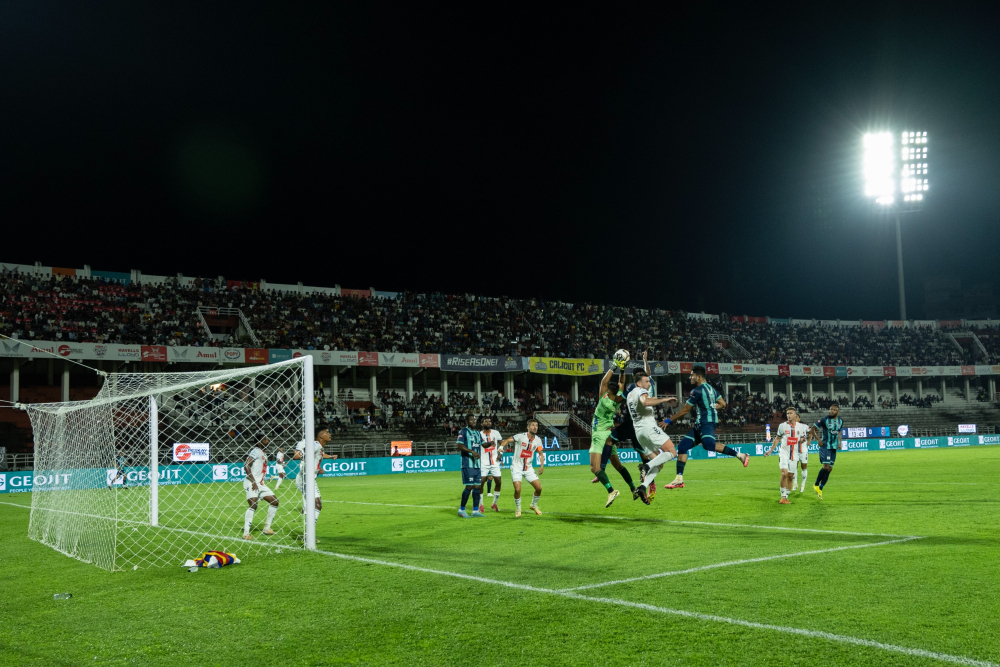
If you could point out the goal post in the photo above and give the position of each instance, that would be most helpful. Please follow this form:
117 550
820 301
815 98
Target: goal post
151 471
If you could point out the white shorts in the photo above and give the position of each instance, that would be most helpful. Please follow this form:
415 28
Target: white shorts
787 460
529 475
261 492
493 470
651 438
300 483
279 469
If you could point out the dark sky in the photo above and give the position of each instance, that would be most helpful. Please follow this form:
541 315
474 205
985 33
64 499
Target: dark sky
522 152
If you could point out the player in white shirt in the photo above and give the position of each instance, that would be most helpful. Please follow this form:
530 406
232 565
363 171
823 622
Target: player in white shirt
322 437
279 465
253 485
790 439
490 461
651 438
525 447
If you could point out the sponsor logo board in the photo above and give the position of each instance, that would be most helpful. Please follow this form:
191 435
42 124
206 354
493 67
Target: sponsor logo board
154 352
190 451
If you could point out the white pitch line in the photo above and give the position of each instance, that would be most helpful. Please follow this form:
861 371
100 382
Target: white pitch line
654 520
817 634
736 562
844 639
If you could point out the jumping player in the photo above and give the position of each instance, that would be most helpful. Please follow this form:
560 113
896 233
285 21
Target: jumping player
626 431
704 403
470 444
253 485
525 446
490 468
790 434
652 439
827 431
601 443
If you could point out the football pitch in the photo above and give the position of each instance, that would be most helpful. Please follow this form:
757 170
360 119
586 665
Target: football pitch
899 564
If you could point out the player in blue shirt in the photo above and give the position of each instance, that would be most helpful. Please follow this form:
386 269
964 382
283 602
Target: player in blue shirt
470 444
704 404
827 431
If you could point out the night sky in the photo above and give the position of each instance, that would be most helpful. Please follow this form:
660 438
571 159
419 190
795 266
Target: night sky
697 158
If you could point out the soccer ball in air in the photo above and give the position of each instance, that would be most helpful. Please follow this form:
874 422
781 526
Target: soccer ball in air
621 358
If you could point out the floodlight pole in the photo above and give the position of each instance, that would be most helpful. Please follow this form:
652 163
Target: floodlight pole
899 265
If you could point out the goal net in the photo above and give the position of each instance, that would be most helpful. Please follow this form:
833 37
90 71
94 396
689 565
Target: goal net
151 471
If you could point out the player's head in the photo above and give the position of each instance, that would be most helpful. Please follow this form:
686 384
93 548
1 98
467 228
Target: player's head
613 387
265 441
322 435
641 379
532 426
698 375
470 421
834 410
792 414
487 422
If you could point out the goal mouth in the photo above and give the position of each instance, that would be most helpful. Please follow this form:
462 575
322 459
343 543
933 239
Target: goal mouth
154 469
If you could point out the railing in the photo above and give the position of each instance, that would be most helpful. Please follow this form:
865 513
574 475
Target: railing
229 312
19 462
573 417
545 418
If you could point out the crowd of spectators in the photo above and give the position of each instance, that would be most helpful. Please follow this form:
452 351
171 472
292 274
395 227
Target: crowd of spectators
96 310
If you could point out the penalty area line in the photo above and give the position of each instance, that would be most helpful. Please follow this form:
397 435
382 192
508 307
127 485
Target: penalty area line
753 625
736 562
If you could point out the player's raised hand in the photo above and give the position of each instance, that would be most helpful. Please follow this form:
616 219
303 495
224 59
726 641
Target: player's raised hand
644 354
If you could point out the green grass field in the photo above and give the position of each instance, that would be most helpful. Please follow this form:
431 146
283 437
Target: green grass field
401 580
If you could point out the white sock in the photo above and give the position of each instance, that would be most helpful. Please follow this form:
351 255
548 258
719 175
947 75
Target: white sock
660 459
317 516
651 475
271 511
278 485
517 504
247 518
804 478
534 501
496 497
784 493
795 479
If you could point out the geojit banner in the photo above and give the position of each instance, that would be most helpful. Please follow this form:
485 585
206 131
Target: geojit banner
560 366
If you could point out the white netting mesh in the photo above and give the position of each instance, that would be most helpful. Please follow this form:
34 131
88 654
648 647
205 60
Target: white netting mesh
94 500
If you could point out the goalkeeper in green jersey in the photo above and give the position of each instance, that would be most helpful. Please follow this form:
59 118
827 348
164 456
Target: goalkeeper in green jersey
600 439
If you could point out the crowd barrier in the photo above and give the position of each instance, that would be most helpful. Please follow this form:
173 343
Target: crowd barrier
215 473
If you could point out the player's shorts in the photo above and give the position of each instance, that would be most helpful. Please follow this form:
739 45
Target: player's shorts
262 490
607 453
300 483
472 476
828 455
626 431
598 439
651 438
787 458
279 469
803 455
701 434
487 470
528 475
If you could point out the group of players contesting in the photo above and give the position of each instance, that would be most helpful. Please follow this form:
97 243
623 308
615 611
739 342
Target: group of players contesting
481 448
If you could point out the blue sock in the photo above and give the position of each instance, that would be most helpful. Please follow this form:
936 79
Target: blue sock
680 466
476 495
465 496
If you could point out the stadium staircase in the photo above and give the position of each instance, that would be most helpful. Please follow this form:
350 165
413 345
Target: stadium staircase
556 422
732 348
222 323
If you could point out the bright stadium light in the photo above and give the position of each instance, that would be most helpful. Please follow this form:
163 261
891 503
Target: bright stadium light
881 181
879 168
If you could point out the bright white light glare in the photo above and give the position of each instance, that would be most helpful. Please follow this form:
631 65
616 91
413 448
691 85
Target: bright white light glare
879 166
914 138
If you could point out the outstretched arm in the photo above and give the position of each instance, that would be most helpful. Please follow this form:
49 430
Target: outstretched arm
604 382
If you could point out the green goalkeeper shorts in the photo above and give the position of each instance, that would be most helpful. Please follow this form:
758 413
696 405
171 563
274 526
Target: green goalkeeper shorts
597 441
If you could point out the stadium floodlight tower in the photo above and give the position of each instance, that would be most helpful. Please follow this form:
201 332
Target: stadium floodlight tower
881 183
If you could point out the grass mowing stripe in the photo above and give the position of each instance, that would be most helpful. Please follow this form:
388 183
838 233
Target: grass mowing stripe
736 562
629 518
817 634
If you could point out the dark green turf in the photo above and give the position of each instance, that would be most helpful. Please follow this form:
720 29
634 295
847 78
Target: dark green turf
939 593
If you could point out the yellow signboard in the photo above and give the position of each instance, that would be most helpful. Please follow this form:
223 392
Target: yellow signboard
560 366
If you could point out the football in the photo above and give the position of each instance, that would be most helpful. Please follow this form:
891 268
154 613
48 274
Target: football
621 358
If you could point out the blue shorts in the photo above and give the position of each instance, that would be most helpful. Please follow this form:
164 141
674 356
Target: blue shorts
828 455
626 431
701 434
472 476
